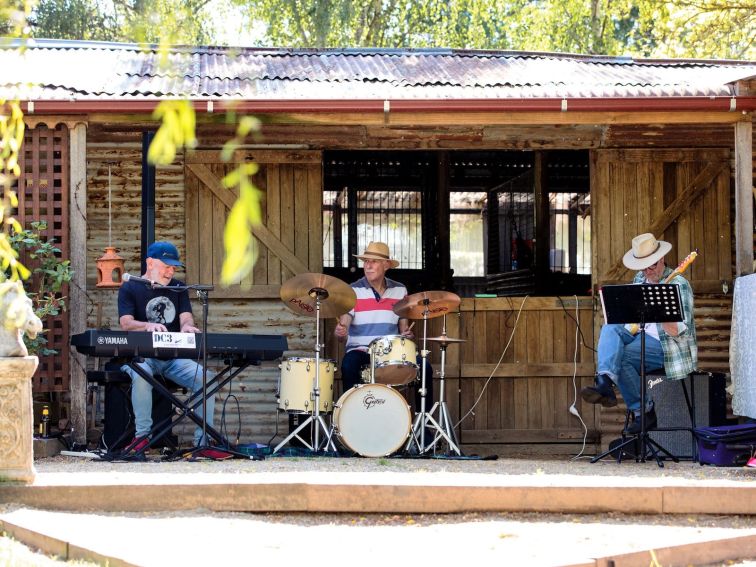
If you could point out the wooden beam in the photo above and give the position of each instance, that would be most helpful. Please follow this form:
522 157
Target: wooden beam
682 203
469 304
743 198
542 225
500 118
526 436
261 232
525 371
457 118
78 309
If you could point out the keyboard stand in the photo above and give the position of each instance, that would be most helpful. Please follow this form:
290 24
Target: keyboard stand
190 406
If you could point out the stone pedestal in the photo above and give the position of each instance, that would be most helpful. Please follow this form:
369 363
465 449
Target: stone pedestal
16 427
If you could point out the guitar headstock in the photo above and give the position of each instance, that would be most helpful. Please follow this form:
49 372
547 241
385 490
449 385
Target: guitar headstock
687 261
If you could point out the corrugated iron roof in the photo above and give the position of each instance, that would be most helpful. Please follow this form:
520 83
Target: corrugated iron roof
79 70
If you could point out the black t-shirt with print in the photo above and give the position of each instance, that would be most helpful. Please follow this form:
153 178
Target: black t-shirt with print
154 305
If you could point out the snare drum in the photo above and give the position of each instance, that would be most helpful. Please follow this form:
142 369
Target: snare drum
372 420
394 359
297 382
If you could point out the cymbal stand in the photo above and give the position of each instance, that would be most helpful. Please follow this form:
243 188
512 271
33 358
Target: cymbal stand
423 418
444 429
318 294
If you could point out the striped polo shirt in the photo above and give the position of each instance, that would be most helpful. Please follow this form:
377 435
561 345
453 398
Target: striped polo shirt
373 316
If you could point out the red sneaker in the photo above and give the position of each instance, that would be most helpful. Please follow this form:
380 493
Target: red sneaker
751 463
214 454
141 443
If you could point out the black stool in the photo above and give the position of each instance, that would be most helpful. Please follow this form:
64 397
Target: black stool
118 418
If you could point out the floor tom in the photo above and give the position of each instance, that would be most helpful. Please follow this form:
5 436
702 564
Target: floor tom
297 384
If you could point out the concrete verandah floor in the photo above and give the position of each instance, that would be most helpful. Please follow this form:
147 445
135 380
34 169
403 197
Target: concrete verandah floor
513 511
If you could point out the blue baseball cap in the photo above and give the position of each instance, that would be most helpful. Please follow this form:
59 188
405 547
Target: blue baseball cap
165 252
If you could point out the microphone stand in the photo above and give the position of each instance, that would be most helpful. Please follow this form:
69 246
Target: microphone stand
203 291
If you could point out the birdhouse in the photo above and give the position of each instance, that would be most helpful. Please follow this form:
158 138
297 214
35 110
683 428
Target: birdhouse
109 269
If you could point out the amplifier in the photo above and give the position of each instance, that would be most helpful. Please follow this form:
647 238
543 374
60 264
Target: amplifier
710 407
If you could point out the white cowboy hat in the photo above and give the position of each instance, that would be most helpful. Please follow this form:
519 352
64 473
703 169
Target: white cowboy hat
377 251
646 251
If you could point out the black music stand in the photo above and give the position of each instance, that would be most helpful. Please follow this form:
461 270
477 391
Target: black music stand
641 304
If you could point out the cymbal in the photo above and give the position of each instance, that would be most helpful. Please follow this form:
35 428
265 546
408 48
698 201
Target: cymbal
301 292
437 303
443 340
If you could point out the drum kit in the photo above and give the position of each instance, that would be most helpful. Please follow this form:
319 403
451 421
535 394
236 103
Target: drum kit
371 419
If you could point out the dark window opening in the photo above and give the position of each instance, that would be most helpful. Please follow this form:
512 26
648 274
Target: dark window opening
491 242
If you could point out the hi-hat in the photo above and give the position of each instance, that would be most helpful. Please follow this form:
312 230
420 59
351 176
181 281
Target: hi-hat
301 293
443 340
435 303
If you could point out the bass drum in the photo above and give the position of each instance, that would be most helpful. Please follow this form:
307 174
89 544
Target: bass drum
372 420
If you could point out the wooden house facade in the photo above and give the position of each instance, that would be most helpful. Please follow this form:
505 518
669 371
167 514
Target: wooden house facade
670 158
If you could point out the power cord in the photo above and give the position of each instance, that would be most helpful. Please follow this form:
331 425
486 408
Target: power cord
483 390
577 322
573 408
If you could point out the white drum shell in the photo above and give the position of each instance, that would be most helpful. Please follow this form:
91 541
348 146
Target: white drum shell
394 359
372 420
297 382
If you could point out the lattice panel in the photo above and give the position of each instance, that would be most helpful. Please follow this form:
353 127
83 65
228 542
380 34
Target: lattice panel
43 195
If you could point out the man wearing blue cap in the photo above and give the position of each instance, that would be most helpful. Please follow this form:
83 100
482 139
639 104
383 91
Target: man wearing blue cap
144 308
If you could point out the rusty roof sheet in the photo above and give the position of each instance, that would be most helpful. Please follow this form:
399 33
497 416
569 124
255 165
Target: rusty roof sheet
79 70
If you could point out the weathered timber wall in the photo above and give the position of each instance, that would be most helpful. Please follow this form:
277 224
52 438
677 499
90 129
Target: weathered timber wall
255 388
525 405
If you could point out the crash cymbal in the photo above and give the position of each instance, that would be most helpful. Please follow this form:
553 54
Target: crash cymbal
301 292
437 303
443 340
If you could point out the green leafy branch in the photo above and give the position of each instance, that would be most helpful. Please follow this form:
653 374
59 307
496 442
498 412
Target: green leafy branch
239 244
176 132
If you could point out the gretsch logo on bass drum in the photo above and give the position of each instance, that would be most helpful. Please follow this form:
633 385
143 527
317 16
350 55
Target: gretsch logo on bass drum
370 400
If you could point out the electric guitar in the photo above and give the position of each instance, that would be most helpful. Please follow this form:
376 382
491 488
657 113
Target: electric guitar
680 269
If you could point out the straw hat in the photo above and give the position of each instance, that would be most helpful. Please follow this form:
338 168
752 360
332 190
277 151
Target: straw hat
377 251
646 251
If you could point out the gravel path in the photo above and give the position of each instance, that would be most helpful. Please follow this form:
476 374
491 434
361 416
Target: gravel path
479 538
562 466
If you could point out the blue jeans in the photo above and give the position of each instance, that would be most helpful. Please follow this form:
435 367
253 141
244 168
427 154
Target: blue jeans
619 358
184 372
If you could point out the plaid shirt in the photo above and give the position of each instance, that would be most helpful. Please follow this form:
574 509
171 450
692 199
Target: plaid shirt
680 352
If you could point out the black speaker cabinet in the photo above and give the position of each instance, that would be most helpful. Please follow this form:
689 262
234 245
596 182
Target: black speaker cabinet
672 411
119 416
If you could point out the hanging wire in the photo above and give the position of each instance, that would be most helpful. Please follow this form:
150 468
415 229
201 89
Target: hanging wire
110 218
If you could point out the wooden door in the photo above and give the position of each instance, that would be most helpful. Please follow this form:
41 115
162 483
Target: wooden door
290 236
681 196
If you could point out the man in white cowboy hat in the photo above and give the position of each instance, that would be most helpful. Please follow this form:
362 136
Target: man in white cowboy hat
669 345
373 315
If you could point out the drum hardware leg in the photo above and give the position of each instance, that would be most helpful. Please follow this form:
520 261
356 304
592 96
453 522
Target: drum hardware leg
318 294
372 363
444 427
417 436
444 430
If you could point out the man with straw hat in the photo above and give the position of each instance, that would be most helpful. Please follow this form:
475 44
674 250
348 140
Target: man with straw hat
373 315
669 345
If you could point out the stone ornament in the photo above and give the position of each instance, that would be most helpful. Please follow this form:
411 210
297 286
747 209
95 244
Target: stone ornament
16 318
